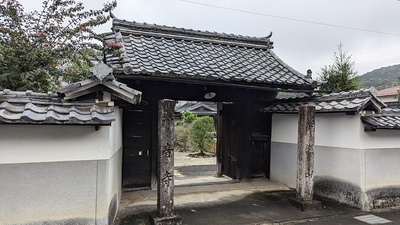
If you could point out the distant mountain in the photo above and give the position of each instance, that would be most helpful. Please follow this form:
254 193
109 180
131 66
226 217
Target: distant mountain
382 78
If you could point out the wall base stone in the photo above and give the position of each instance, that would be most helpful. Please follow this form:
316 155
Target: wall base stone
347 193
383 197
305 206
338 190
170 220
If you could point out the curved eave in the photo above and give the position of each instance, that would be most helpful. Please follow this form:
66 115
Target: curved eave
214 82
313 83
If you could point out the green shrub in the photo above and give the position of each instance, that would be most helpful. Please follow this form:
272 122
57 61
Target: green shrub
181 134
202 134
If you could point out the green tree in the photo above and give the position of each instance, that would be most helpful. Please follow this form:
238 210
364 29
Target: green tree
182 130
341 75
201 133
188 117
40 48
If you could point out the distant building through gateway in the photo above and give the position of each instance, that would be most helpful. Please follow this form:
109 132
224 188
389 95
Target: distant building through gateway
389 97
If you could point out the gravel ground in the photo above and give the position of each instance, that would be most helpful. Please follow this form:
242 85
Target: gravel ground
183 159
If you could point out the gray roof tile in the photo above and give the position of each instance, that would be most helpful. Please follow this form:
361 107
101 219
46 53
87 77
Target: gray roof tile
50 108
386 120
101 77
335 102
172 52
32 111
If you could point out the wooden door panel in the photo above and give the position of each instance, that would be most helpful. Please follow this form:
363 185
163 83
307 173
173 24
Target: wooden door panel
260 143
137 144
260 158
136 172
137 116
228 148
139 130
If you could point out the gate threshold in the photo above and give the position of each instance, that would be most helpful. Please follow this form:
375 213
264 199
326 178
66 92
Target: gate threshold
204 180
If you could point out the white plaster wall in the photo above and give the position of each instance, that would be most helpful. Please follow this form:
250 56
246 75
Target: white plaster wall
382 156
357 167
284 128
380 139
49 143
382 168
115 134
109 174
337 156
284 149
283 166
46 143
108 187
337 130
114 175
340 163
52 192
60 174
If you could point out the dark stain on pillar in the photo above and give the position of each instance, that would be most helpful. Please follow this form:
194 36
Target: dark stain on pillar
165 191
305 160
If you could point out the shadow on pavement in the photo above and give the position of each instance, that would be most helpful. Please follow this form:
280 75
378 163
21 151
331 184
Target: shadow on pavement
197 170
257 208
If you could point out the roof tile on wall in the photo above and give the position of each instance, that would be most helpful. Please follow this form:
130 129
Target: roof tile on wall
32 111
335 102
388 119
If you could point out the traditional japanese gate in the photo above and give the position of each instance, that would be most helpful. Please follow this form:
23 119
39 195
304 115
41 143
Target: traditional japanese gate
240 126
179 64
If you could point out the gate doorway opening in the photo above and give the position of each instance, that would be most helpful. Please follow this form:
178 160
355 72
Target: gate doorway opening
196 171
242 131
192 166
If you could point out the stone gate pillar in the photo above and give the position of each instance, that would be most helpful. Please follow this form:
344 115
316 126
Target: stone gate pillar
165 191
305 161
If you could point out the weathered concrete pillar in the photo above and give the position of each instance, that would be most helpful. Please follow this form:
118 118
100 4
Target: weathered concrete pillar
165 191
305 161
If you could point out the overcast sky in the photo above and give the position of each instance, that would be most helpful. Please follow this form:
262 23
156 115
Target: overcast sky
305 32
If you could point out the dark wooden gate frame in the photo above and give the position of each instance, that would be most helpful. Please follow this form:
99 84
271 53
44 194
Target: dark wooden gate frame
247 100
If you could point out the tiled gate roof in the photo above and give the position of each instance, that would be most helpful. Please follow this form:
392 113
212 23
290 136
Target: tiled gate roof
188 54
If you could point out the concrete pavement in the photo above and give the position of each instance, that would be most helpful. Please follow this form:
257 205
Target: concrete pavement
258 202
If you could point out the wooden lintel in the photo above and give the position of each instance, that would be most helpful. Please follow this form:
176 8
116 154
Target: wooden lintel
250 86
